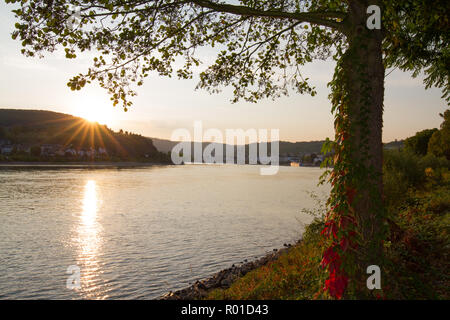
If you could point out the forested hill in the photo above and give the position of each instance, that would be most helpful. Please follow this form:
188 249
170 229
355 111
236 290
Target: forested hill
37 128
285 148
29 128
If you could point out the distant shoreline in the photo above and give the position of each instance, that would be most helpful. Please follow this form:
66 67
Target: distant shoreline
42 164
98 164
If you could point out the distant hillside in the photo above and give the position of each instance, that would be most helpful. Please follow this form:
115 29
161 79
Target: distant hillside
162 145
304 147
39 127
16 117
285 147
397 144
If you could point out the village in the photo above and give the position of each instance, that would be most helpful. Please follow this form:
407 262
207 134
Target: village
302 160
8 148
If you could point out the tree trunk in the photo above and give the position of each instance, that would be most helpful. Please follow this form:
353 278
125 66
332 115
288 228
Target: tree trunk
364 70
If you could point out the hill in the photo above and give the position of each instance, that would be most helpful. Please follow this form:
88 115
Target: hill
294 148
286 148
29 128
61 133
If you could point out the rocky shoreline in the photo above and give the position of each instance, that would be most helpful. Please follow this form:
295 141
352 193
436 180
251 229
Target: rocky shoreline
224 278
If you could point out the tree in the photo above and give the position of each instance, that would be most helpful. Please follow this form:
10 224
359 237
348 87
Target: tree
439 143
418 144
261 46
307 159
35 151
3 133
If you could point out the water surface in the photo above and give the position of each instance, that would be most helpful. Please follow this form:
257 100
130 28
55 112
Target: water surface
137 233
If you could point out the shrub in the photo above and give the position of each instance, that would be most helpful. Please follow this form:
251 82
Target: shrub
431 161
403 170
418 144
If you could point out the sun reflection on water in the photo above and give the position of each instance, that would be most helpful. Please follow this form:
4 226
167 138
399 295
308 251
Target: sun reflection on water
89 243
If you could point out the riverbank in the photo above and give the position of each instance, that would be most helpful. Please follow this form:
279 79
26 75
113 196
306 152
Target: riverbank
78 165
416 255
416 259
224 278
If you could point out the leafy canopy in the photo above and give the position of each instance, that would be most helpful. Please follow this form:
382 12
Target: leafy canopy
418 143
439 143
260 45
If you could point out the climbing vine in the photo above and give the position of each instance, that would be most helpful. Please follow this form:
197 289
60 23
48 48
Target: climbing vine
347 248
340 226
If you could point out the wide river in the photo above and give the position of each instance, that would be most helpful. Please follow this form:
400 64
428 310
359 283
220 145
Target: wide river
138 233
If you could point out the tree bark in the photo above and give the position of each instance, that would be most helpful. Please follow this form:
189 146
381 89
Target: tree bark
365 82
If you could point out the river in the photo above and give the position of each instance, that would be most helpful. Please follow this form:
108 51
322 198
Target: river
137 233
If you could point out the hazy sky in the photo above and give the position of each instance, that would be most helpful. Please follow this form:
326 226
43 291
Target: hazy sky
163 105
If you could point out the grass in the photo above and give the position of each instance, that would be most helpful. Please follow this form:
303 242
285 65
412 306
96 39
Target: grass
417 250
292 276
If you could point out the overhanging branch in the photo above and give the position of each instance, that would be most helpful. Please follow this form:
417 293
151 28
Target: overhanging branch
319 18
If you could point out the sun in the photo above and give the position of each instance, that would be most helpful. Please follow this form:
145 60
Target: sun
95 116
94 109
101 113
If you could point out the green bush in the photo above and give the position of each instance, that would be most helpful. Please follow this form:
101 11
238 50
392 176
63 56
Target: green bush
403 170
436 163
418 144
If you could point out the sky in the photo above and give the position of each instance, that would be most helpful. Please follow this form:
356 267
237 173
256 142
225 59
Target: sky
164 105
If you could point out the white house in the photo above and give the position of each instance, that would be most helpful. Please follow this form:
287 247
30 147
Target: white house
71 151
318 159
7 149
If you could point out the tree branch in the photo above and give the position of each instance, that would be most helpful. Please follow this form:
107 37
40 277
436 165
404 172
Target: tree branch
318 18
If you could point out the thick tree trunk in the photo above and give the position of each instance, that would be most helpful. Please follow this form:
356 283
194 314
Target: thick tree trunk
365 73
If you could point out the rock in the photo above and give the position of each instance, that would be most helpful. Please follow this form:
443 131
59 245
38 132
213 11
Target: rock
227 281
223 278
